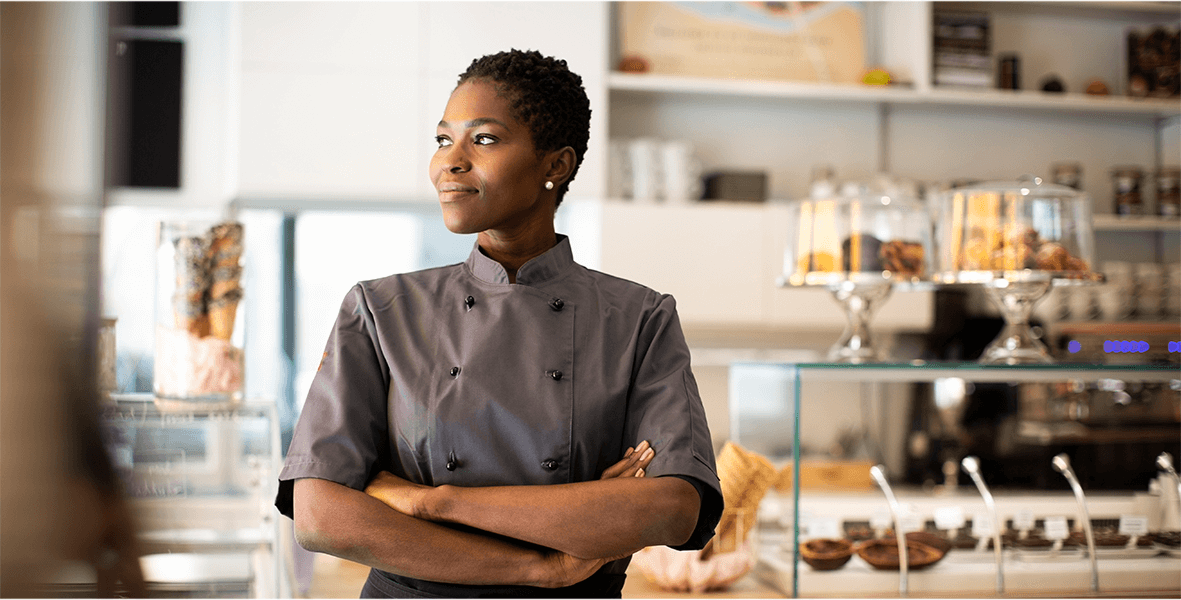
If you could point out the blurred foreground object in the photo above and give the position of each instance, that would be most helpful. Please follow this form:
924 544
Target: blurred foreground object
60 504
746 476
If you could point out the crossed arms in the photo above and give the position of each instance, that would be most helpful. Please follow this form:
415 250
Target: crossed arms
546 536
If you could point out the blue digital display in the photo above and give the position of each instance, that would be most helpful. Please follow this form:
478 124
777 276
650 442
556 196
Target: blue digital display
1122 346
1119 346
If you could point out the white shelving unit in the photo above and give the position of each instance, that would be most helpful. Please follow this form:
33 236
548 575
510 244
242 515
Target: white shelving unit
1002 99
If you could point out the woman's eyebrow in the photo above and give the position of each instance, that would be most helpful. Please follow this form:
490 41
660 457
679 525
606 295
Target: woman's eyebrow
476 123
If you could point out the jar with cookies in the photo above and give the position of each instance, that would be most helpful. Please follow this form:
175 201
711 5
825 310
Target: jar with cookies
860 246
1017 239
199 343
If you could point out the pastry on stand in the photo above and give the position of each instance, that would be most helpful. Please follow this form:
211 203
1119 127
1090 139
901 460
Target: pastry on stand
859 246
1016 239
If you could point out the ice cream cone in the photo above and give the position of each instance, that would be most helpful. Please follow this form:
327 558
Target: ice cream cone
222 312
224 280
225 245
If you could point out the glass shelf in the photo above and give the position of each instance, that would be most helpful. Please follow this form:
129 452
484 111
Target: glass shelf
921 371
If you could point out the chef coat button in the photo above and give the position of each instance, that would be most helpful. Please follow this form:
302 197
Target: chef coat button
549 465
454 371
469 302
556 375
452 461
450 465
556 304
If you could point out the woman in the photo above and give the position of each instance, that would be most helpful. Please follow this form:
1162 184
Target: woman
494 404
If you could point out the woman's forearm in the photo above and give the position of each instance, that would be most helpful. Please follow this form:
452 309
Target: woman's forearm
344 522
591 519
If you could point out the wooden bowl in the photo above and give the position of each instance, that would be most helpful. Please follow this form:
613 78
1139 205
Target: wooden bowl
826 554
933 540
883 554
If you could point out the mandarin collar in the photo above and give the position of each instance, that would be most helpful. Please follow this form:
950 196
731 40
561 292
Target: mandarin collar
537 270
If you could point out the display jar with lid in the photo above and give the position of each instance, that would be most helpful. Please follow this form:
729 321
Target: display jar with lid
200 337
1168 192
1017 239
1125 181
860 246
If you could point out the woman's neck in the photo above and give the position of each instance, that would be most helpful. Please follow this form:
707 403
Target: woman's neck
512 251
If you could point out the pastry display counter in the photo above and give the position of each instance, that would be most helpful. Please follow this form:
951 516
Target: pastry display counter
1045 531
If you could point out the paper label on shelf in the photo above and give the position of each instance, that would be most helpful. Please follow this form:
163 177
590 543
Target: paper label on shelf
880 520
949 517
1133 525
1023 520
982 525
1056 528
911 523
825 528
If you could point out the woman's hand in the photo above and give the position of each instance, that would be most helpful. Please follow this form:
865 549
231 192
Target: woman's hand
567 569
401 495
635 460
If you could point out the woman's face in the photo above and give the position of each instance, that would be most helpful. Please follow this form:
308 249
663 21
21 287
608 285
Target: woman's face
486 171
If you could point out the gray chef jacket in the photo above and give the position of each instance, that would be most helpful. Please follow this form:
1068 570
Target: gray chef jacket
455 376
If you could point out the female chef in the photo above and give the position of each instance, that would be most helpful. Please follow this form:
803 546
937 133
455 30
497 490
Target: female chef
522 424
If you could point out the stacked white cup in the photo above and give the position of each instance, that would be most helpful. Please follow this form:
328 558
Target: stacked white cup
1171 303
1116 296
1150 287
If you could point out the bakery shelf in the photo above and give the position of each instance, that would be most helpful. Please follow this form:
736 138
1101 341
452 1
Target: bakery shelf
1139 223
1006 99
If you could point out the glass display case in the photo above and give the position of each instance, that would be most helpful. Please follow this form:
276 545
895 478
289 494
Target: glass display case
202 483
1112 497
1016 239
859 247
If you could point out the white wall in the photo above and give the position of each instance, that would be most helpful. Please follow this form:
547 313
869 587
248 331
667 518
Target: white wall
340 99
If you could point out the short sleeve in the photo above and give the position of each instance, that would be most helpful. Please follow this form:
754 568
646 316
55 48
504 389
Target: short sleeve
664 407
343 429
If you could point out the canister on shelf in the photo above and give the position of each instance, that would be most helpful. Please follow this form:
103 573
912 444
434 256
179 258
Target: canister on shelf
1009 72
1168 191
1069 174
1126 185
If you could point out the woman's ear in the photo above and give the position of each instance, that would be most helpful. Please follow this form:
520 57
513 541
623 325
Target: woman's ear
561 165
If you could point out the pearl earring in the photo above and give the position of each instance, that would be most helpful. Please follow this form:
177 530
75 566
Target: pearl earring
549 185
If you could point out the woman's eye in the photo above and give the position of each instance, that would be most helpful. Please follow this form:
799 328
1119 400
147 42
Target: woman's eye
442 141
484 139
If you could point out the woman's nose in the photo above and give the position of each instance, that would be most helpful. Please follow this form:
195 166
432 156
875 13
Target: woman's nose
455 160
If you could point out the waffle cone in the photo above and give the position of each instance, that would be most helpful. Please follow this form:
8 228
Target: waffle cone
221 319
197 326
225 281
745 477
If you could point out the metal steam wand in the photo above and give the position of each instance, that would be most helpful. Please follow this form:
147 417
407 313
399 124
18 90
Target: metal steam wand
1062 465
879 475
1165 463
972 466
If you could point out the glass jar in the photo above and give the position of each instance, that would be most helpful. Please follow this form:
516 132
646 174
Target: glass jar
199 355
1068 174
862 236
1125 183
1001 229
1168 192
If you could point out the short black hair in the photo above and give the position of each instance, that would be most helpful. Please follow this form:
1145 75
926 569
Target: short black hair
544 95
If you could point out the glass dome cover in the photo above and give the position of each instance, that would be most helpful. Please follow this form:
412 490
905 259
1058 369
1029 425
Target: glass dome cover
860 237
1021 230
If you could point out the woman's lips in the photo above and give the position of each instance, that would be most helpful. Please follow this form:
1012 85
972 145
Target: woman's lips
455 190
